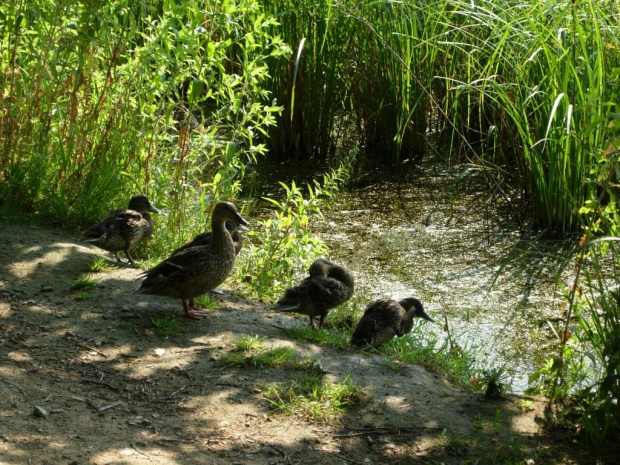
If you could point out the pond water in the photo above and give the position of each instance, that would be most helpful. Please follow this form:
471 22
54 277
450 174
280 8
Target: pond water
410 233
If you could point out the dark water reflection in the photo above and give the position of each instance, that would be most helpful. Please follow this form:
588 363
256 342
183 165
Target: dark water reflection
408 233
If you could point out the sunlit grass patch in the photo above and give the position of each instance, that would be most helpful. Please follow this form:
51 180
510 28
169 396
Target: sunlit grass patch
424 348
346 316
279 356
166 325
82 283
99 264
208 301
81 295
314 399
338 339
250 343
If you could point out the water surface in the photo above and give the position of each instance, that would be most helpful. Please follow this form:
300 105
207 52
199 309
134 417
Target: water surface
415 234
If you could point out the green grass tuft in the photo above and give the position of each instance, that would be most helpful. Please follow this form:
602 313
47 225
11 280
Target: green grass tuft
314 399
250 343
166 325
338 339
99 264
83 283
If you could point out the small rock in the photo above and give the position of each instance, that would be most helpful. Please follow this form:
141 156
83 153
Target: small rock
159 352
40 412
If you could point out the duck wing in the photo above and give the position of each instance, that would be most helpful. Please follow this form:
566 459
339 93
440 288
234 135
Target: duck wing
116 223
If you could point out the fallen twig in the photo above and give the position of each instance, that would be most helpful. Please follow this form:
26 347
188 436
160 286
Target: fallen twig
386 430
92 381
139 451
93 349
347 459
108 407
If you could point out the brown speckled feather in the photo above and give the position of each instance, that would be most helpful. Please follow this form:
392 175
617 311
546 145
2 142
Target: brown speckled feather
205 238
193 271
384 319
123 227
328 286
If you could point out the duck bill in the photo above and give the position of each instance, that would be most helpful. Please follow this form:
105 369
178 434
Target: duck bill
243 225
422 314
154 210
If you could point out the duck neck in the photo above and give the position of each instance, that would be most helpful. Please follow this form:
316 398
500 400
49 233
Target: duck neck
221 236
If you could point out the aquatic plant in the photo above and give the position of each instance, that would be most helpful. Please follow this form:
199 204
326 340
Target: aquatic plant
284 244
581 381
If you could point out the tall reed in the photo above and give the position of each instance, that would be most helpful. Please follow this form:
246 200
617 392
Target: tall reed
541 82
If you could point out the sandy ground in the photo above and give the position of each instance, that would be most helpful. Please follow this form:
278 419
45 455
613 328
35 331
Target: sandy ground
91 382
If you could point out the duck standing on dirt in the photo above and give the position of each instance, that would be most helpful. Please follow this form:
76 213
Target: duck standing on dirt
205 238
385 318
193 271
123 228
328 286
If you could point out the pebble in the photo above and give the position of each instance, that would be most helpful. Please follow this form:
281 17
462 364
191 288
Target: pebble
40 412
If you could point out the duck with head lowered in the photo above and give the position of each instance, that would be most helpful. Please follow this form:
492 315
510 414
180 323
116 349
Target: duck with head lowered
123 227
196 270
384 319
328 286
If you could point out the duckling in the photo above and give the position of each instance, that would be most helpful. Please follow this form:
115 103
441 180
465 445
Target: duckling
205 238
123 228
328 286
385 318
196 270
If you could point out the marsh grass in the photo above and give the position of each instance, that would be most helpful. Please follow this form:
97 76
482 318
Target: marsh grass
312 398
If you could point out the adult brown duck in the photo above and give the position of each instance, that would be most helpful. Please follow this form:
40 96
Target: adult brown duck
123 228
328 286
384 319
197 270
205 238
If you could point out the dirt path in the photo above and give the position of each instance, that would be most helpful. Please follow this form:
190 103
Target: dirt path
91 382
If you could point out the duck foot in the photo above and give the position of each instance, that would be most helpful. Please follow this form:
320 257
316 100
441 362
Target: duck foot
195 313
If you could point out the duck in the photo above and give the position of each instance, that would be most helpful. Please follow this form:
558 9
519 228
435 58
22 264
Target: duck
196 270
327 286
205 238
123 228
384 319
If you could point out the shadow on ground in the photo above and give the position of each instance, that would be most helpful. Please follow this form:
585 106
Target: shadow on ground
91 381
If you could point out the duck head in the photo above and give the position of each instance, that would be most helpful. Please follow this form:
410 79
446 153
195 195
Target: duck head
412 305
141 204
226 211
